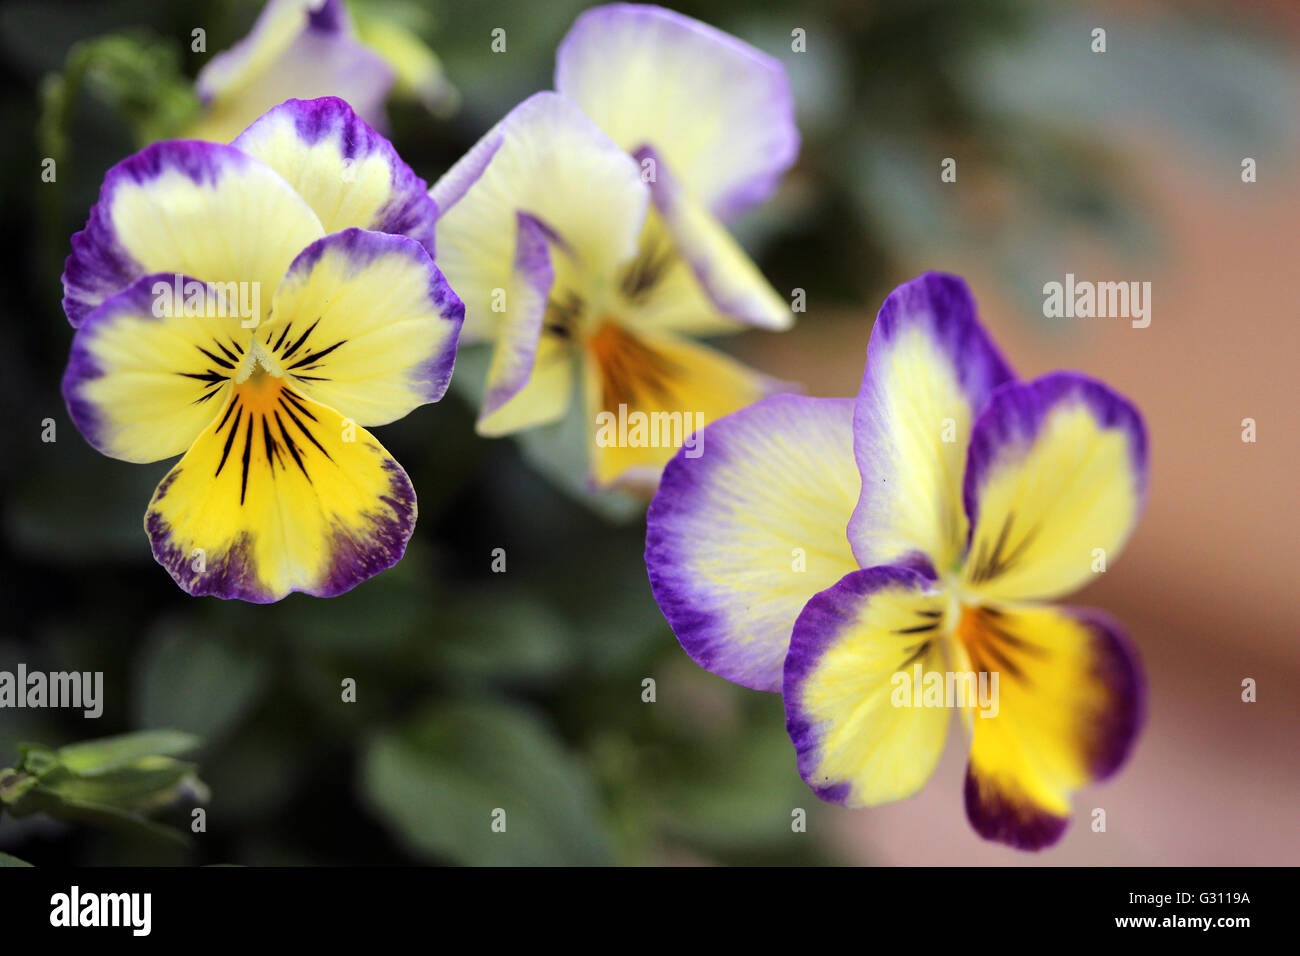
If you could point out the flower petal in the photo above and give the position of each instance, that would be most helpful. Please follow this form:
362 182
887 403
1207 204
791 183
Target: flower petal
418 73
548 160
365 323
1070 702
660 291
722 268
297 48
280 494
857 742
717 110
1054 483
144 379
656 378
348 173
199 209
930 369
544 398
520 330
741 536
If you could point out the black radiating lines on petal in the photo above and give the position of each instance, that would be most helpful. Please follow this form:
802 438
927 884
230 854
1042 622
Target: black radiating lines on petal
288 354
646 271
230 439
293 449
224 363
562 314
989 566
272 447
296 399
919 653
229 354
302 428
314 356
280 340
247 460
211 375
1011 640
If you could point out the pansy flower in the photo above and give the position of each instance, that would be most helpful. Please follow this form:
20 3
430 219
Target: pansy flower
253 307
824 547
585 234
311 48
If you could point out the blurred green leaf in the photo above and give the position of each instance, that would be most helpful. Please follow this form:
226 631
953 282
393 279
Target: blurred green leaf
7 860
500 633
136 75
438 781
740 796
191 680
74 506
112 782
148 783
1208 80
112 753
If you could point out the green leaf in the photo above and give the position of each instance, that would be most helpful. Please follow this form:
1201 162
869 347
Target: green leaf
498 633
112 753
114 818
7 860
196 683
438 782
148 783
135 75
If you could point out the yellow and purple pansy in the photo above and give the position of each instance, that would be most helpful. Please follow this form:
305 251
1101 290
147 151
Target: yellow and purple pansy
821 547
585 231
253 307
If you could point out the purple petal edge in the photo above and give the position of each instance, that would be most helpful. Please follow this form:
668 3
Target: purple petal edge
362 246
137 298
946 301
816 628
701 632
1022 828
99 266
1119 668
1017 411
329 19
532 261
236 579
942 304
411 211
759 186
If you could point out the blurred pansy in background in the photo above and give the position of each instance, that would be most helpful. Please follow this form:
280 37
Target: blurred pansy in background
968 498
365 52
585 234
305 49
253 306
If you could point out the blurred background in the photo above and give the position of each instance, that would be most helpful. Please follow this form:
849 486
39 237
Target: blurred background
523 690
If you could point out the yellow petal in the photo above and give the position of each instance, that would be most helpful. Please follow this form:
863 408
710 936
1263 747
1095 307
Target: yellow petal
863 734
646 394
1068 707
280 494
